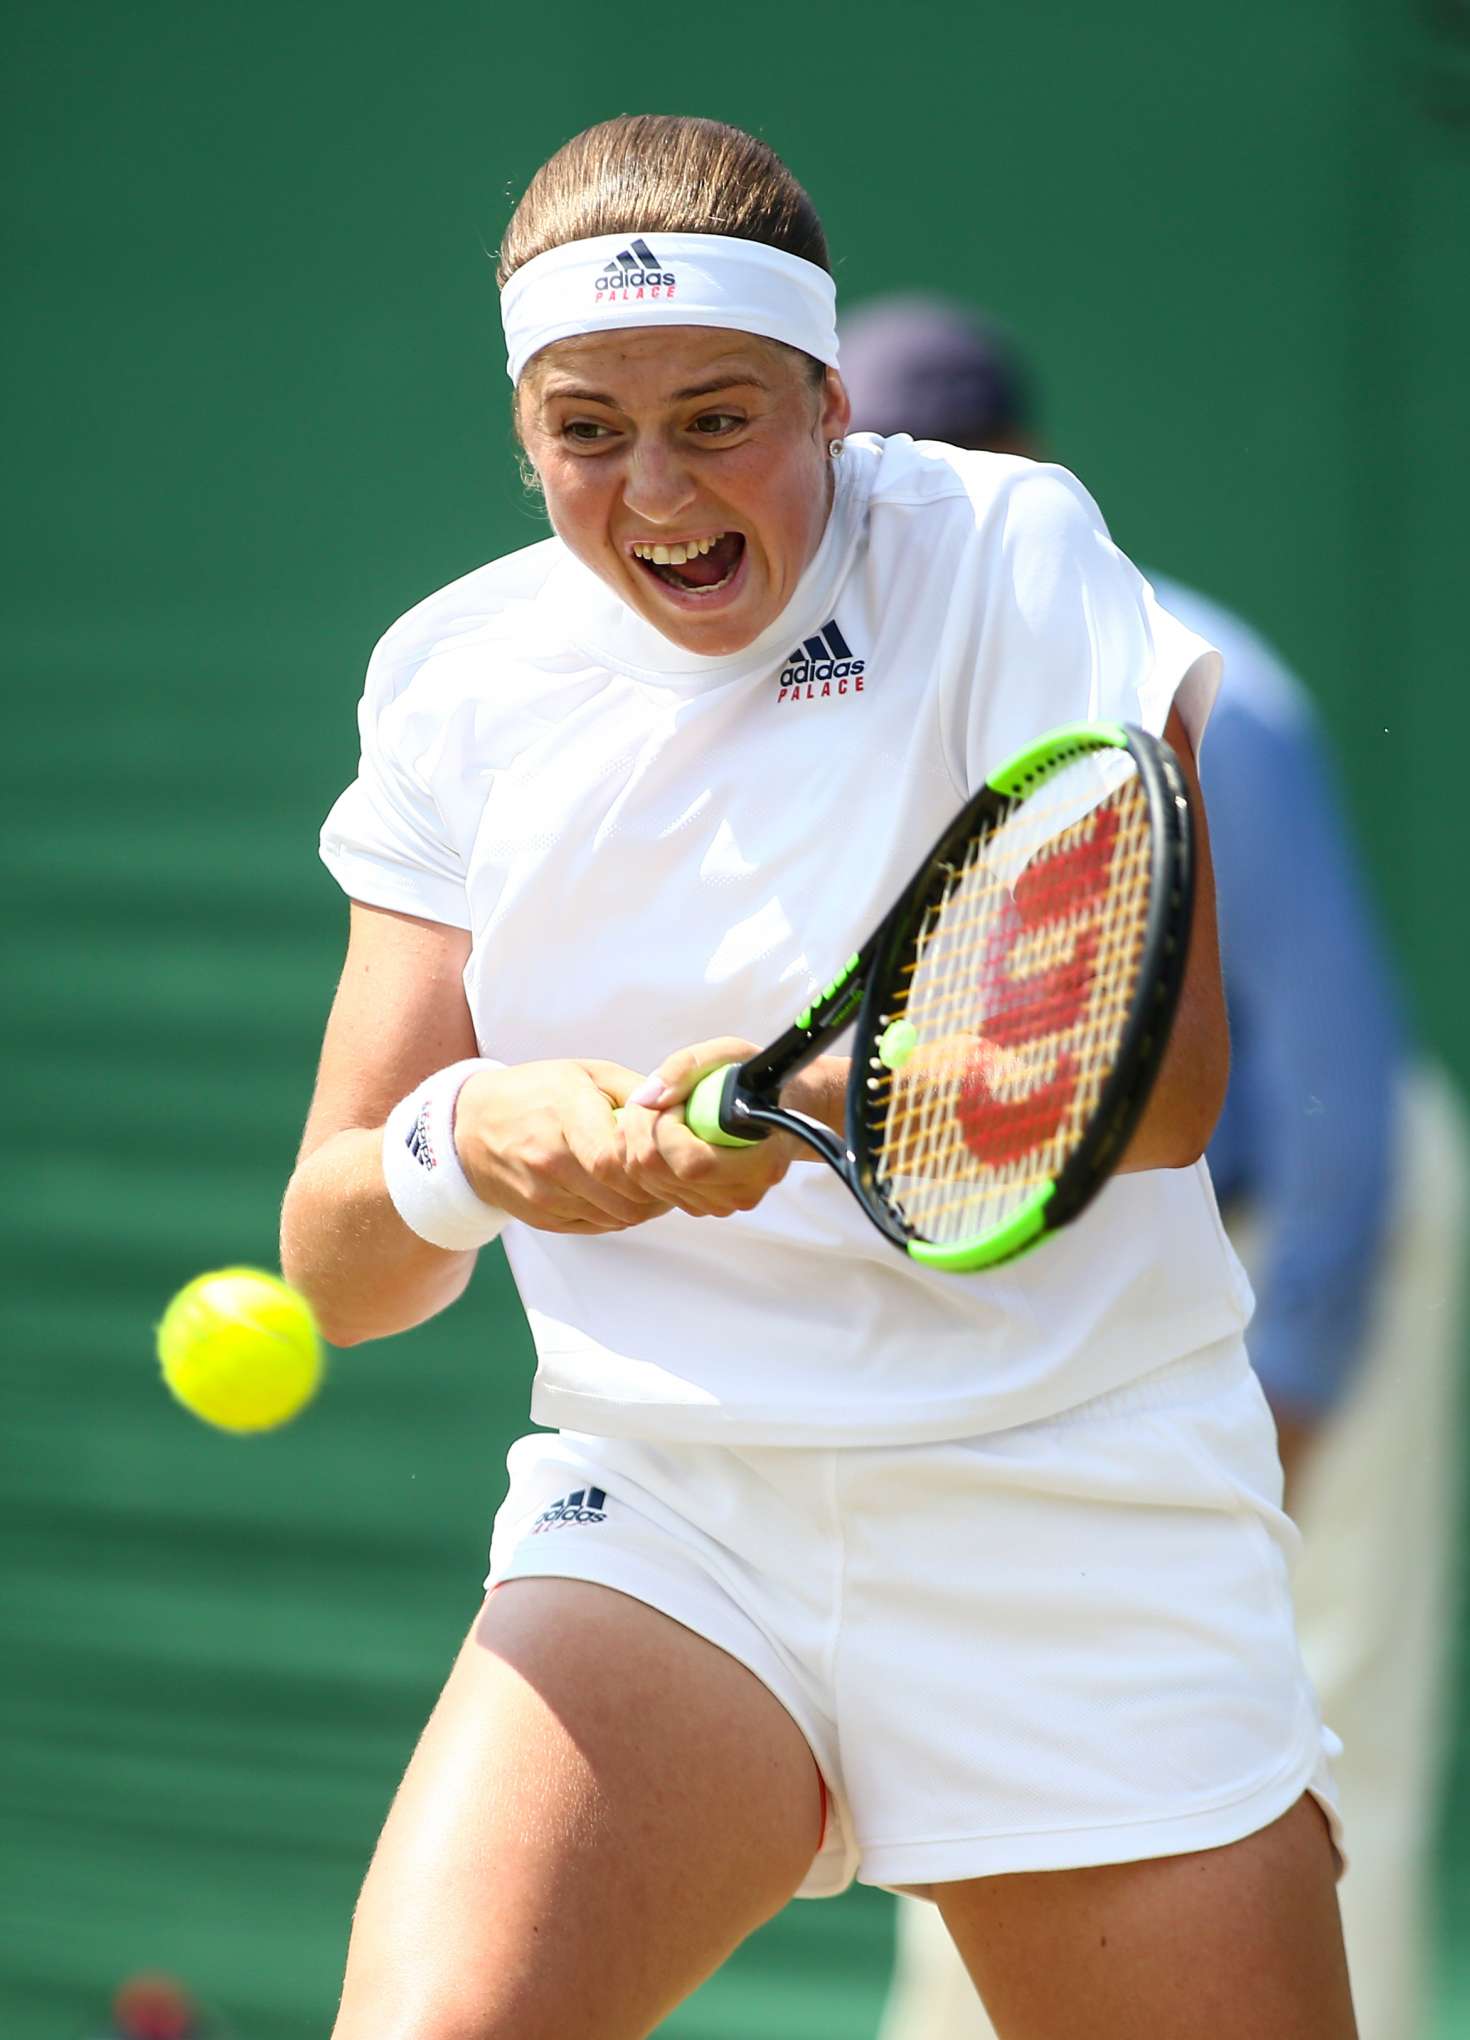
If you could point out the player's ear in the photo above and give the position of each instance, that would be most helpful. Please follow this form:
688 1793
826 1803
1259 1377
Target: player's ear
836 407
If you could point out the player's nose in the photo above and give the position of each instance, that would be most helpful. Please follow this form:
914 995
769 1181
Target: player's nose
657 483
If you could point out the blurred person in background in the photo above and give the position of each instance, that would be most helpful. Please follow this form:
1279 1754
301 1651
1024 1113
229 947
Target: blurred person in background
1340 1165
153 2006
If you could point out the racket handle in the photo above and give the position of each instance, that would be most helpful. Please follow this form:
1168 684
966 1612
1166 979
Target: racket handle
702 1110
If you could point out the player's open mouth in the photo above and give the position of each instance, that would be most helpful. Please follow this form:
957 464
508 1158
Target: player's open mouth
700 567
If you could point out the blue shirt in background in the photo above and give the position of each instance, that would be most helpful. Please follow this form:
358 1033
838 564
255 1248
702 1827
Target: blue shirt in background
1307 1135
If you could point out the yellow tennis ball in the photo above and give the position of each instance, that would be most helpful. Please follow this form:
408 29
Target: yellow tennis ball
240 1349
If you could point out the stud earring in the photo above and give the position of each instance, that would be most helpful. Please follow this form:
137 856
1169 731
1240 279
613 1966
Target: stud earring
834 449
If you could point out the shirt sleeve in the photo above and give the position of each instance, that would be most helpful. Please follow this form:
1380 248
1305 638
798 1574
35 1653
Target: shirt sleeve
1306 1139
386 840
1068 631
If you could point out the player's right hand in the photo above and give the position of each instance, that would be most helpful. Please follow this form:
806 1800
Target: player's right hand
540 1141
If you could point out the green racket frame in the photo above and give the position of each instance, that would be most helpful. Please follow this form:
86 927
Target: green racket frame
737 1105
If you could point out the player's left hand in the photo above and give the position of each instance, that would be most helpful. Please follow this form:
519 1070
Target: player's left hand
670 1163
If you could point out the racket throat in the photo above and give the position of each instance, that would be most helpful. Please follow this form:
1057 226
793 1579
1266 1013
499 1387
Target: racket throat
728 1113
746 1116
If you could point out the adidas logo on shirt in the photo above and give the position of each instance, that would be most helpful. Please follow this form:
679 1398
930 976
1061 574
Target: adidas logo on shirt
634 272
821 666
587 1505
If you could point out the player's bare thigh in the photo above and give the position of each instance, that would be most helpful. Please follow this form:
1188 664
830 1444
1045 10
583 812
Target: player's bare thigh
1243 1940
601 1808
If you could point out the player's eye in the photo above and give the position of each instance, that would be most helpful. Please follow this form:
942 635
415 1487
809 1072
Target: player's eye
586 431
714 424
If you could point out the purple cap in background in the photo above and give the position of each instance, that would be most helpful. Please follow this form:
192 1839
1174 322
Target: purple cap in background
925 366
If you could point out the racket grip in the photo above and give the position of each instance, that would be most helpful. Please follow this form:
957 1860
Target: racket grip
702 1109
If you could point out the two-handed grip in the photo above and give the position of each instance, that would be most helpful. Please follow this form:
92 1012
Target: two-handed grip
702 1110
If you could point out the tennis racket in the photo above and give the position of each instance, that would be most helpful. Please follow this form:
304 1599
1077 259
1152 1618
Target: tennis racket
1012 1008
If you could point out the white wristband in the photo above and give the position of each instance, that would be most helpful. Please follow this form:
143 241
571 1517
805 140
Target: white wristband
426 1180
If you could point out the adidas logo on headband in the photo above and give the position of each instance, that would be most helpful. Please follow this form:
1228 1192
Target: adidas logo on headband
722 280
634 272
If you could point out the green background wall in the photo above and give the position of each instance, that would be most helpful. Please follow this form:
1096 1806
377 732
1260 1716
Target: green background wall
256 409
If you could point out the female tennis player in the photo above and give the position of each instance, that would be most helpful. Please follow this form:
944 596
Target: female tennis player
833 1565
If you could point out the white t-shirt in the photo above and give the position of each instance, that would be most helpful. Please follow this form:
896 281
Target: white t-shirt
652 847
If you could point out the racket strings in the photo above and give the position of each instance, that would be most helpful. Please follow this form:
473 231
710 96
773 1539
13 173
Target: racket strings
1037 954
1021 982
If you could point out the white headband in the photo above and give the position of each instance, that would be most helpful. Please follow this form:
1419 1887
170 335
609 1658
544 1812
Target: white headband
618 280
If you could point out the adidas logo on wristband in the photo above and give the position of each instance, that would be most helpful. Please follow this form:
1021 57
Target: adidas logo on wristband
420 1142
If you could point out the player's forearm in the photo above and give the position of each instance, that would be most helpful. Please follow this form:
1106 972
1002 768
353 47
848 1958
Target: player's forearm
1187 1097
1190 1089
820 1091
1189 1092
343 1245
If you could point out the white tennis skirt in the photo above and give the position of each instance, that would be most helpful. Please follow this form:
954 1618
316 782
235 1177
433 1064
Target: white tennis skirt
1064 1644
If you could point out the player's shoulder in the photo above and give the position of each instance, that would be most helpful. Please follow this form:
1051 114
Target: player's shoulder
447 639
923 485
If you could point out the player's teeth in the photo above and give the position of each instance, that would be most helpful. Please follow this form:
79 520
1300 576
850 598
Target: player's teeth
677 555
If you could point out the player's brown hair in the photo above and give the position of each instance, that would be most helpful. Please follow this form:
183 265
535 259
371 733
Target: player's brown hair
652 173
672 173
